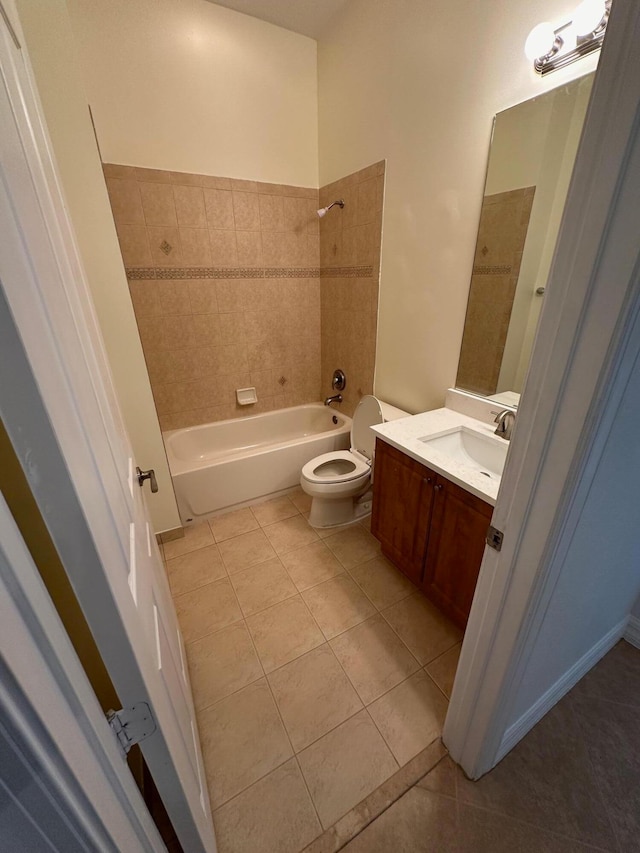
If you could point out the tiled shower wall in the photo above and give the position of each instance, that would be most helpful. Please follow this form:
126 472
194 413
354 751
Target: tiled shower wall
350 241
237 283
224 279
502 232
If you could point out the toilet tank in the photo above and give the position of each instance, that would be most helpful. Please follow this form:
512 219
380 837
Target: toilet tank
391 413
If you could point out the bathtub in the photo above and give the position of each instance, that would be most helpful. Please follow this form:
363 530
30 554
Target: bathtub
230 463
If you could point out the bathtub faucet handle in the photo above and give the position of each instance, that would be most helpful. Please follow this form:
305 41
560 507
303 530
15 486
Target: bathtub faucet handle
147 475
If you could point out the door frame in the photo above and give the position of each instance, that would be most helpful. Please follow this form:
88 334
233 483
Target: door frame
47 700
586 346
61 414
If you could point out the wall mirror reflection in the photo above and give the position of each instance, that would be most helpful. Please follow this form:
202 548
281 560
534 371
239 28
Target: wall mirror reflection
530 163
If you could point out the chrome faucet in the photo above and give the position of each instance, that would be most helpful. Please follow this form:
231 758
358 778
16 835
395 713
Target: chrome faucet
505 420
337 398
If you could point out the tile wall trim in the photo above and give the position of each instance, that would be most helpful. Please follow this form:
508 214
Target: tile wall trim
141 273
499 270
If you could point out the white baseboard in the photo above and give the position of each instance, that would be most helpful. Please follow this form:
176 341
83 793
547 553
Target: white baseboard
545 703
632 631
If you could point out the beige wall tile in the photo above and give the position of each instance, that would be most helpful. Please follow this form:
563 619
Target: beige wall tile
174 297
158 204
145 298
190 209
196 251
203 296
164 242
367 200
224 252
125 200
219 208
134 245
249 248
229 295
245 186
113 170
271 213
158 176
232 331
246 211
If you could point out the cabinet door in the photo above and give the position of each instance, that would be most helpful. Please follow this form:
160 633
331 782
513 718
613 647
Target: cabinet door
402 501
456 544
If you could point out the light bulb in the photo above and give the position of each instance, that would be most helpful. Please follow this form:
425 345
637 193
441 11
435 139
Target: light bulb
539 41
587 16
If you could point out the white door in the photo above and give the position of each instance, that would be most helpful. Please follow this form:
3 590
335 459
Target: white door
60 410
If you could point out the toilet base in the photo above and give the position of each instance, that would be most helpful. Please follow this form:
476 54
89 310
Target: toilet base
338 512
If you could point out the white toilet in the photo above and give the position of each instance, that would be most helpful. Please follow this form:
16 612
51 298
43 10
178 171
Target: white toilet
339 481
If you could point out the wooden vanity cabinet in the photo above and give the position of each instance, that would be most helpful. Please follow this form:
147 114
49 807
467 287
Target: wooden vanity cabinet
402 501
431 529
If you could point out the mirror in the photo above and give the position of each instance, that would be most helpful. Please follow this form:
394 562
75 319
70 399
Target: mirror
532 153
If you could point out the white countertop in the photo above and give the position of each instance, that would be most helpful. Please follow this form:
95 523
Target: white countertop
405 435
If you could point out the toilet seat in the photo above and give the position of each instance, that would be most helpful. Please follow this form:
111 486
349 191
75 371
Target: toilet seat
337 466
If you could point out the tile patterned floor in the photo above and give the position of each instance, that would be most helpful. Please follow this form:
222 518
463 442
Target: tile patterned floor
571 785
317 669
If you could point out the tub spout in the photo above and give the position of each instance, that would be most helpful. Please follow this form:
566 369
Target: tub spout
337 398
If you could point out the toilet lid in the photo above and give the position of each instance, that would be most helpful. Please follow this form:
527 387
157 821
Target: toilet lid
367 414
337 466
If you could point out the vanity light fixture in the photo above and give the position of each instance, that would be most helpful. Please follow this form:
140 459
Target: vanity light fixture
552 47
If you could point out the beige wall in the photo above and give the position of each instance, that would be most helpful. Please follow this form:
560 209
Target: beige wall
193 87
53 56
418 84
234 298
350 240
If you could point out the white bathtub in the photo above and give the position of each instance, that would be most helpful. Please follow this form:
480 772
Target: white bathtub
230 463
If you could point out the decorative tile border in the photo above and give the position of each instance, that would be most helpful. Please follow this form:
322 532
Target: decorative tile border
503 270
141 273
346 272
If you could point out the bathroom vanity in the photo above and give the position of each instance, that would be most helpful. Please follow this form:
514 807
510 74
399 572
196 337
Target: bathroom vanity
431 508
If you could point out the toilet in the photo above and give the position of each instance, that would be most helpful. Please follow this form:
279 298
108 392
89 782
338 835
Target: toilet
339 482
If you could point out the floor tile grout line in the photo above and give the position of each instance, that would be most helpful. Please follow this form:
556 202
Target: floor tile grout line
386 742
311 800
382 612
392 802
435 683
294 753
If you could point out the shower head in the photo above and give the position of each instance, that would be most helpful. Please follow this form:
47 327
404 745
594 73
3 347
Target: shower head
324 210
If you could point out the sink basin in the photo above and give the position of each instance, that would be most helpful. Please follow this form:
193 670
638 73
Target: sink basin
484 453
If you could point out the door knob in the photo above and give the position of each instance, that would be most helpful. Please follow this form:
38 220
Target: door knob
147 475
438 487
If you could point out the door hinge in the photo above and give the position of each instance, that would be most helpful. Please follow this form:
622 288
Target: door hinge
494 538
131 725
